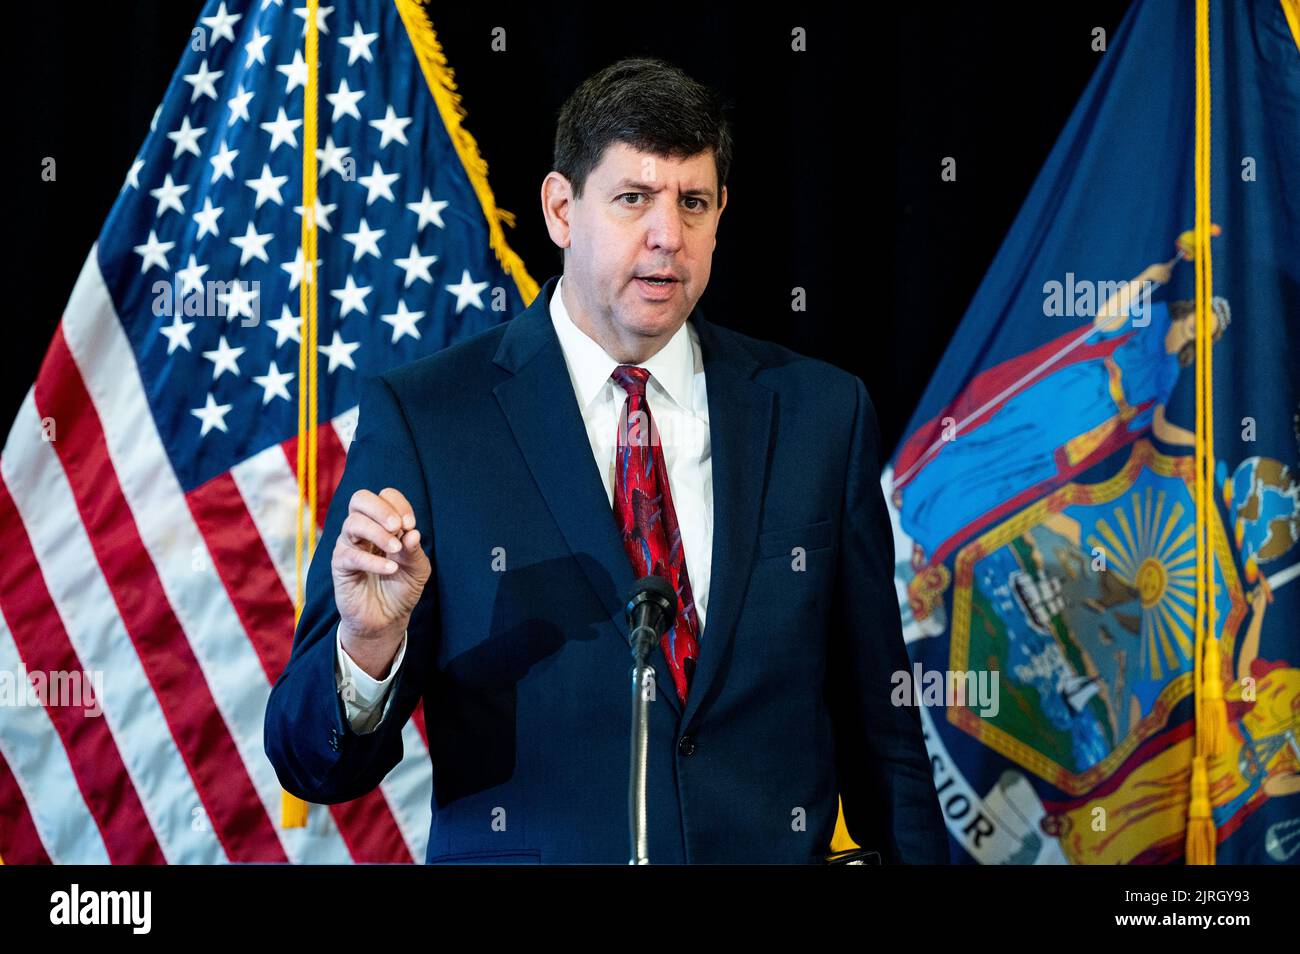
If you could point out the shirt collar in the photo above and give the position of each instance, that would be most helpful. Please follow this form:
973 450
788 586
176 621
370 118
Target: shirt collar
672 366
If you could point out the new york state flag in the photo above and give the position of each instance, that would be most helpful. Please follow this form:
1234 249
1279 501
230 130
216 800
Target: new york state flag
1043 497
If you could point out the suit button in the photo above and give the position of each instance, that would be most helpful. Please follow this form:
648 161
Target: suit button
686 745
334 739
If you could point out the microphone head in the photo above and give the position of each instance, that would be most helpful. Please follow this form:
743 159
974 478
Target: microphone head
652 589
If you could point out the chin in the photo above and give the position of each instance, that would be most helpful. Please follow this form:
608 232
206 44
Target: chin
653 320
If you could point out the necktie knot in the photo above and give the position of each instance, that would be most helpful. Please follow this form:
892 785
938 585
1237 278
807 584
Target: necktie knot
631 379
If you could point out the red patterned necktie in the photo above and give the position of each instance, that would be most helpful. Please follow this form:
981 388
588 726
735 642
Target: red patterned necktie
643 505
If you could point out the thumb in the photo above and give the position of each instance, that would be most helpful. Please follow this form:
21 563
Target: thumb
410 551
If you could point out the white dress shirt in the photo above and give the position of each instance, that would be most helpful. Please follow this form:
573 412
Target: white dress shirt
679 407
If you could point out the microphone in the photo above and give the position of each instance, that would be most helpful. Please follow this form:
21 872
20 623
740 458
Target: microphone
651 609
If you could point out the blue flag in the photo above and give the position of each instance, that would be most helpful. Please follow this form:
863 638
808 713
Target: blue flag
1043 496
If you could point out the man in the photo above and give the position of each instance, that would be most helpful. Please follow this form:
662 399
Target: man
501 498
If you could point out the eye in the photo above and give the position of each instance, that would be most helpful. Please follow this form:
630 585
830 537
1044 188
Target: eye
635 195
700 204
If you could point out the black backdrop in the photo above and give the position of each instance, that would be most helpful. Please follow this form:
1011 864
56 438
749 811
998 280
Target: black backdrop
835 185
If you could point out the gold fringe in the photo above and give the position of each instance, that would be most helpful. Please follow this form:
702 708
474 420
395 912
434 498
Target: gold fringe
1291 8
1200 824
442 83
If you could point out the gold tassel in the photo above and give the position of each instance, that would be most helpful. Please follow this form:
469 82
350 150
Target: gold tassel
1200 824
842 840
293 811
1212 723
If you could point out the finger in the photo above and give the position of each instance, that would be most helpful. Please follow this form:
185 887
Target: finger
357 527
349 558
376 508
410 542
408 553
399 503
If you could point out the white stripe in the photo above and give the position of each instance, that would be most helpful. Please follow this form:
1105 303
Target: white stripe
409 790
345 426
270 493
85 603
228 661
32 747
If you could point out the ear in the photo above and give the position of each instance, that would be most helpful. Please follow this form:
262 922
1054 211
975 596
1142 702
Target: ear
557 205
722 204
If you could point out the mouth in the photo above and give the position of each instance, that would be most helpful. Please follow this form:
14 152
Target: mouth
657 286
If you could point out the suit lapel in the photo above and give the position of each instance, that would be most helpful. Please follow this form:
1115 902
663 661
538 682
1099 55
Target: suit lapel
543 415
740 431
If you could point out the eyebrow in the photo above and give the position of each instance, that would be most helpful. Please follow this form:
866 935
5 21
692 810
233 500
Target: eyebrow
623 184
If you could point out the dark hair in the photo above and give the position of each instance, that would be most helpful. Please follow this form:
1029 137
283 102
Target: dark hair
648 104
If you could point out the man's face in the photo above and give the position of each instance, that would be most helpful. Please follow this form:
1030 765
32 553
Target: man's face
640 216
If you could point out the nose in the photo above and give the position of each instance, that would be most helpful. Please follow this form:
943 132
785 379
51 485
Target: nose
664 227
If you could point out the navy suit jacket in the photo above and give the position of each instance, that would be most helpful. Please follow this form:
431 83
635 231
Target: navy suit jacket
525 671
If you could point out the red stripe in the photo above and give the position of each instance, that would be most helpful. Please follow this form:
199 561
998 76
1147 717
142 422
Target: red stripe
417 716
264 608
44 646
370 830
232 804
330 459
246 569
19 842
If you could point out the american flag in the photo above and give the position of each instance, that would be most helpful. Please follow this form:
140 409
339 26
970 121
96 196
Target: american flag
148 486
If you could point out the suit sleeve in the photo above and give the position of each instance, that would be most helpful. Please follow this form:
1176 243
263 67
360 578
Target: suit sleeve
886 785
316 754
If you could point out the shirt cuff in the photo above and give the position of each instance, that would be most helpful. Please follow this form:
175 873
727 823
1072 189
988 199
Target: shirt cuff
361 692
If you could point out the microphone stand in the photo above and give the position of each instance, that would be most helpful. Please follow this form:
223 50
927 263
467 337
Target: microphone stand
643 675
650 612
